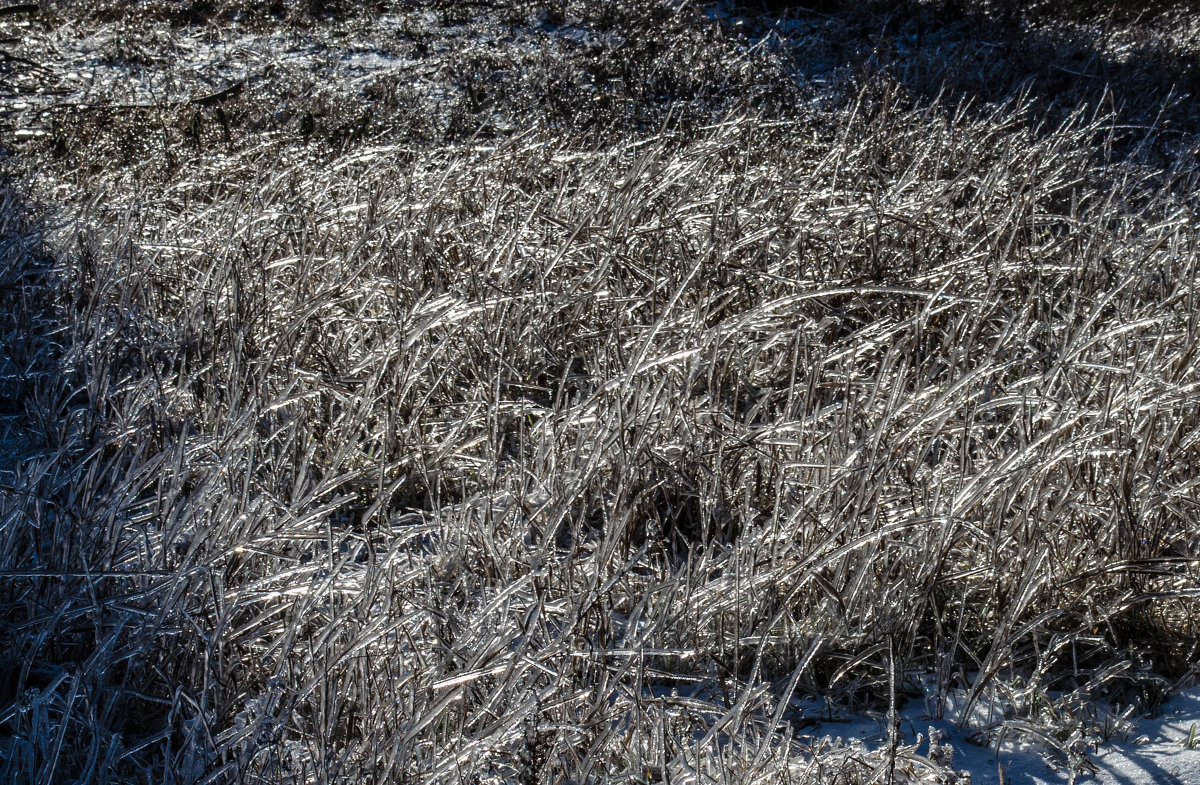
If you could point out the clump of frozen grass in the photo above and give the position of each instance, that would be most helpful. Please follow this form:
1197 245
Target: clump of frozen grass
538 460
458 455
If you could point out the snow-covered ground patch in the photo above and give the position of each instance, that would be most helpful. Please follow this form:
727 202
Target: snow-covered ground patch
1160 749
1167 748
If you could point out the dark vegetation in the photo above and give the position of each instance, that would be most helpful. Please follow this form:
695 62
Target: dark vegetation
478 392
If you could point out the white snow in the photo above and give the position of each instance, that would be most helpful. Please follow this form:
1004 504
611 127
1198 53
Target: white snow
1170 752
1162 750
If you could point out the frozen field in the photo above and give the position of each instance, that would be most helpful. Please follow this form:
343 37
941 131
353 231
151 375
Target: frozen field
599 391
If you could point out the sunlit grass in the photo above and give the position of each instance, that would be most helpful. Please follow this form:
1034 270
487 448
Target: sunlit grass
583 452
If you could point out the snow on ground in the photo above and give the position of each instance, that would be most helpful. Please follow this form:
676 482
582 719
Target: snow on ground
1162 750
1171 752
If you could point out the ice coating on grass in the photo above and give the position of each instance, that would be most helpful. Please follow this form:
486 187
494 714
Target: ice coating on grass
1160 749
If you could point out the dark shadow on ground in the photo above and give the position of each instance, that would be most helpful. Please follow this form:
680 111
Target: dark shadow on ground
62 702
1059 58
30 351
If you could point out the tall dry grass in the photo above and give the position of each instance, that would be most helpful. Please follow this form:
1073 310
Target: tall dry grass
553 456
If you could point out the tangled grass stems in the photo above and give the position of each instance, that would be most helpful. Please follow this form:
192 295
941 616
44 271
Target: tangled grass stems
527 458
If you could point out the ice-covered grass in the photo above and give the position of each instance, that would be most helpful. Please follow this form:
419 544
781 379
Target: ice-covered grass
572 393
1162 747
